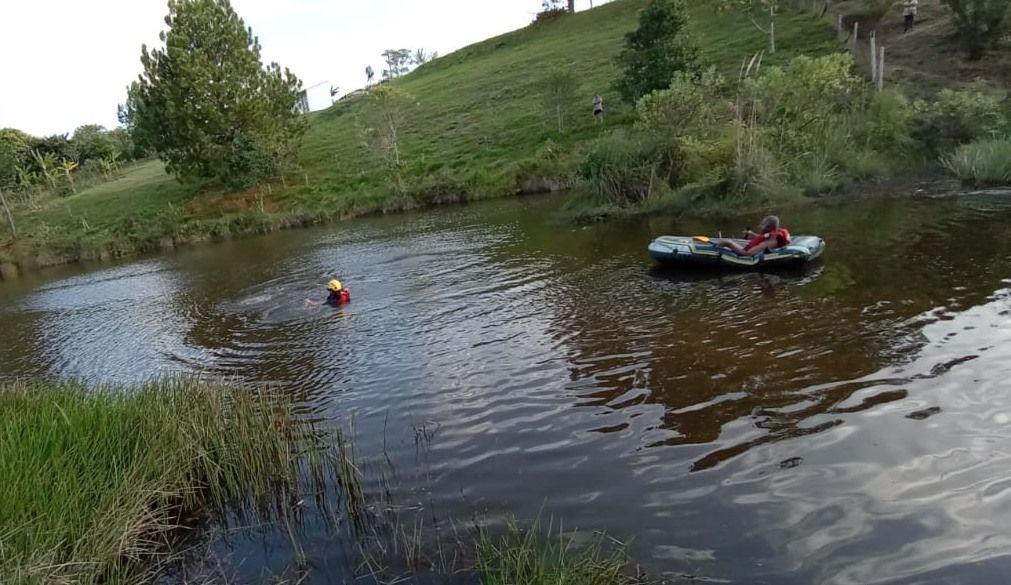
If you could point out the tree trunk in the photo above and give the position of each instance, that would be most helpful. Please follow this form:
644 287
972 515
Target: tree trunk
10 218
572 5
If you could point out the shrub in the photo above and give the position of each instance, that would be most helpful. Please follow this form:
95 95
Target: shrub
799 100
958 117
689 106
985 162
621 169
980 23
550 14
888 123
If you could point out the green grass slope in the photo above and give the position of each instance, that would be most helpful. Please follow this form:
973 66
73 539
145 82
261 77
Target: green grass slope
479 128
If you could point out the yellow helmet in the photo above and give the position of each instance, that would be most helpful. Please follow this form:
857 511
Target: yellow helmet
335 285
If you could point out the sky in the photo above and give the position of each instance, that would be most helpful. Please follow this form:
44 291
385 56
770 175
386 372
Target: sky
65 63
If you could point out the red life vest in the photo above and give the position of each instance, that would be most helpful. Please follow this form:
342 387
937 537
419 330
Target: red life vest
345 295
782 236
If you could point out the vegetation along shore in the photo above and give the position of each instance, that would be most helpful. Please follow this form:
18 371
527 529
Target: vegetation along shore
703 109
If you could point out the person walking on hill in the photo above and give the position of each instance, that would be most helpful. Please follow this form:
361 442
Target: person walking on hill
598 108
909 13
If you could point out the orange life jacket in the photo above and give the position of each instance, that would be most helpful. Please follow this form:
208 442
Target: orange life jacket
782 236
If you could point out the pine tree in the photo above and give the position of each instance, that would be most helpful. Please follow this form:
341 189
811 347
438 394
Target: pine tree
657 50
207 105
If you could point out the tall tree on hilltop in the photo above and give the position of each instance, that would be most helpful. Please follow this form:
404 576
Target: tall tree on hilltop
655 51
208 106
572 5
398 62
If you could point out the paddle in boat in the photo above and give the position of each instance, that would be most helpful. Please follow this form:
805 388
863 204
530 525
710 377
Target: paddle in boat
703 251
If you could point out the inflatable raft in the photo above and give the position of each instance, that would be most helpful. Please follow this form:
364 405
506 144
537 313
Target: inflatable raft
702 251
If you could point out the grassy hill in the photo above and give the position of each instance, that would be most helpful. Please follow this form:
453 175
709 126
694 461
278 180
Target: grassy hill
478 130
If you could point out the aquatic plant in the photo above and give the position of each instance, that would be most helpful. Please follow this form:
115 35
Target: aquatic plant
98 483
982 163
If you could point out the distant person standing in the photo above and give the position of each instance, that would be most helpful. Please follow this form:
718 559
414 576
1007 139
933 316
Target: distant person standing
909 13
598 107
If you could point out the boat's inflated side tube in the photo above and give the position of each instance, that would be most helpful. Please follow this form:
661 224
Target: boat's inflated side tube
688 250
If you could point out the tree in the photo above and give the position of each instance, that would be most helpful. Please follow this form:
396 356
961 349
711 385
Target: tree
59 145
15 148
656 50
125 145
749 7
398 62
559 90
208 106
382 122
572 5
980 23
421 56
369 74
94 142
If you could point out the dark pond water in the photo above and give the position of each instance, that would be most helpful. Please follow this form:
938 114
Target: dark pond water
846 424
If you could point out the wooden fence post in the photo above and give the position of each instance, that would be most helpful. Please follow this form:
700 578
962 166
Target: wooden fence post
881 71
874 58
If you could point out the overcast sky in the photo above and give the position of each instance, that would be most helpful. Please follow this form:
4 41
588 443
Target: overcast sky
64 63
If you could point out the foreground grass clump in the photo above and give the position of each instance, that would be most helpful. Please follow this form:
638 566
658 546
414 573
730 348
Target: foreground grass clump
535 557
982 163
97 482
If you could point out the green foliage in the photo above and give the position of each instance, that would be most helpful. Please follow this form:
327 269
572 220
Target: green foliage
206 103
888 124
96 480
982 163
980 24
559 89
382 124
657 50
956 117
690 106
15 148
623 169
94 142
798 101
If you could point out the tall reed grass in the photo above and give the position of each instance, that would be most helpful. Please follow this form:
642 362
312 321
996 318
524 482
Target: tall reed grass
95 484
983 163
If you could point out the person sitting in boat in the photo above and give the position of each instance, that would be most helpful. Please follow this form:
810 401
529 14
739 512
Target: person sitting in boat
769 237
339 294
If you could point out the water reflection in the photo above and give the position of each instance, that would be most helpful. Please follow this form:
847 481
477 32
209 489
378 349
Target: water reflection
741 426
